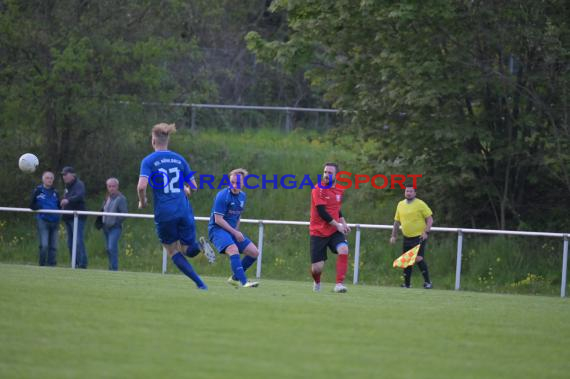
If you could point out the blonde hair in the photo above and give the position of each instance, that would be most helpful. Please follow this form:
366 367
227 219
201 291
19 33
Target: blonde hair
162 131
239 171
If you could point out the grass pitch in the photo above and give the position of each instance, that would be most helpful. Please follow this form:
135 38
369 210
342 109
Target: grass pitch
62 323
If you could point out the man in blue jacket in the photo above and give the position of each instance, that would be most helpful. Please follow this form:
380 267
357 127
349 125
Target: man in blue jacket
46 197
74 200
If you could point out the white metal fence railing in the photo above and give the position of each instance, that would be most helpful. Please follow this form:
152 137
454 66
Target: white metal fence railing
460 232
289 111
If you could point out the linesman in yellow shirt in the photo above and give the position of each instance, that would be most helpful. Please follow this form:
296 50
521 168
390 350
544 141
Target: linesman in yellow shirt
416 220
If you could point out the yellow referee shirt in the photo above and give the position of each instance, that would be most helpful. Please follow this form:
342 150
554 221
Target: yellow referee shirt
412 216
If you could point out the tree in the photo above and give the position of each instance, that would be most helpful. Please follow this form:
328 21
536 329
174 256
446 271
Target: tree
472 94
65 67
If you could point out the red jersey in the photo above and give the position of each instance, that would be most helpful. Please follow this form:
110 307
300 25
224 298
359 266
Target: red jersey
331 198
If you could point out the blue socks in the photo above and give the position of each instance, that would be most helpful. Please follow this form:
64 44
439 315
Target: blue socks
237 268
184 266
247 261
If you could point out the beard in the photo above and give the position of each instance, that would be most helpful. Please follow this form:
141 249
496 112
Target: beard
327 179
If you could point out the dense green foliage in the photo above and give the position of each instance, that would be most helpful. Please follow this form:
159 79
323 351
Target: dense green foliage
58 323
471 94
65 66
68 69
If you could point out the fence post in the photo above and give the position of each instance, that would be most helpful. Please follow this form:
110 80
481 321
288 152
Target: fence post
164 260
260 249
356 255
192 119
74 241
458 263
564 266
288 121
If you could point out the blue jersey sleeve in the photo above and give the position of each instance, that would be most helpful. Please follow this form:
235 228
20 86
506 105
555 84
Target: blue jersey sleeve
220 205
187 173
146 169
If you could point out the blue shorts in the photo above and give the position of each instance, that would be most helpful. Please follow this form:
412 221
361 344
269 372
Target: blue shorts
181 229
222 239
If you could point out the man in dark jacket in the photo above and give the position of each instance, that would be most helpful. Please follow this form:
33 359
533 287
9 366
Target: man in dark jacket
74 199
46 197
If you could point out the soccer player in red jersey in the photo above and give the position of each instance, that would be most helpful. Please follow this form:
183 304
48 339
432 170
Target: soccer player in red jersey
328 228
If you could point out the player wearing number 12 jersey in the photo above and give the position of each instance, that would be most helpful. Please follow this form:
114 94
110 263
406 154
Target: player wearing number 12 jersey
170 177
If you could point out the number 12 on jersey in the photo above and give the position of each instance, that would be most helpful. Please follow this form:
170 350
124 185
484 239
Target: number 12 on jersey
172 182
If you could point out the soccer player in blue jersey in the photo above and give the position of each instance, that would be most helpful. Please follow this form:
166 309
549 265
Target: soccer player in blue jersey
171 180
224 232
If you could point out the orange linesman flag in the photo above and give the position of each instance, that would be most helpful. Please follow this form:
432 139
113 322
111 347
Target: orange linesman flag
408 258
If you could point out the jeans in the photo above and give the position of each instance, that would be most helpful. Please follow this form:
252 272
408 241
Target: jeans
112 236
81 258
47 232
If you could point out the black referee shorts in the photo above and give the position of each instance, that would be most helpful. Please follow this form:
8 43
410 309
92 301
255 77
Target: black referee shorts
410 242
319 246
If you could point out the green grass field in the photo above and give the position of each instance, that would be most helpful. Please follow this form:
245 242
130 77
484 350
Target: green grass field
62 323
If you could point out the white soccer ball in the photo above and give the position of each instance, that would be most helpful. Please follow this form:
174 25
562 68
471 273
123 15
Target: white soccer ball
28 163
